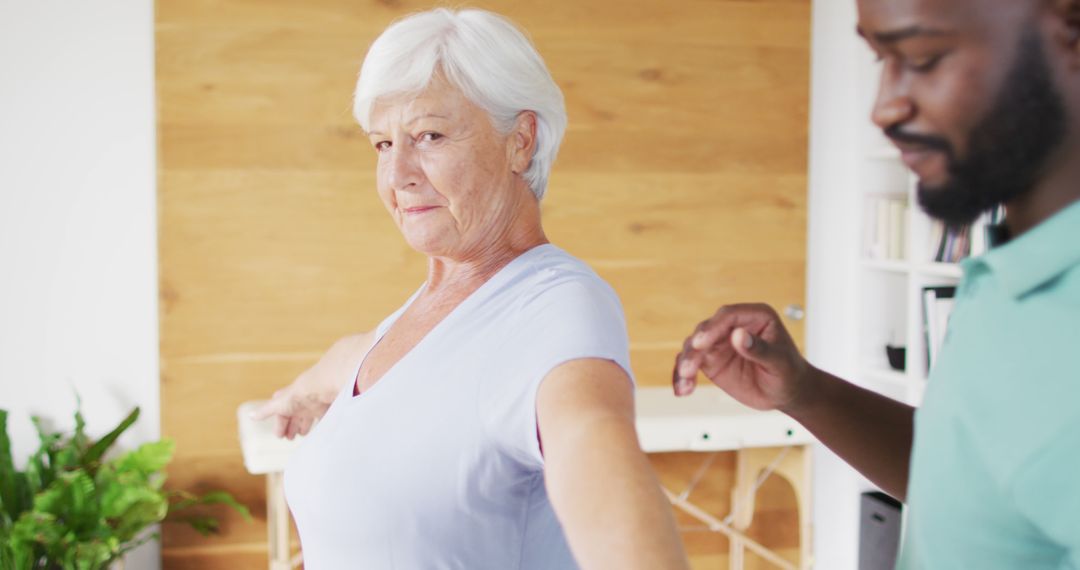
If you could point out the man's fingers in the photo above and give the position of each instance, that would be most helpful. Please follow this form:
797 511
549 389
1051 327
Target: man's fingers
685 386
752 347
690 364
742 341
719 328
714 363
715 330
709 348
687 363
682 386
704 359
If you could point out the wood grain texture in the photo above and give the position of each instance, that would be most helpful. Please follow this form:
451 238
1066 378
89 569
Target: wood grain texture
681 180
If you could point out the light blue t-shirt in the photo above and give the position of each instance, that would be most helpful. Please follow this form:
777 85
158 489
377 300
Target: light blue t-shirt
995 471
438 464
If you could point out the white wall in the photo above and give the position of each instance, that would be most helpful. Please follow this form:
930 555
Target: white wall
838 116
78 306
78 249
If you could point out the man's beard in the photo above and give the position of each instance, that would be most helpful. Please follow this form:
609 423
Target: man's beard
1007 150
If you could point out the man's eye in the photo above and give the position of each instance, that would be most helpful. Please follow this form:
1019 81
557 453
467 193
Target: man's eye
430 137
924 64
382 146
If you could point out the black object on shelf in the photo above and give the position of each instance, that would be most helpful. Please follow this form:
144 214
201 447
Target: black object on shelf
937 306
897 356
879 531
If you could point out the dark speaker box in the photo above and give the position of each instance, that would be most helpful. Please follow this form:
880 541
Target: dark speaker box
879 531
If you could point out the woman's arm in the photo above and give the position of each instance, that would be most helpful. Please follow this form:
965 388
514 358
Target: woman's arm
298 405
601 484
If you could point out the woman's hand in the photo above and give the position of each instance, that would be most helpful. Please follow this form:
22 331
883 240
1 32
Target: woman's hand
746 351
299 405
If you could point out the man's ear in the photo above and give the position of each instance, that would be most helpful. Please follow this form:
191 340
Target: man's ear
1067 14
522 141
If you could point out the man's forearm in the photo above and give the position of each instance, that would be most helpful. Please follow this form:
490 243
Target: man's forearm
871 432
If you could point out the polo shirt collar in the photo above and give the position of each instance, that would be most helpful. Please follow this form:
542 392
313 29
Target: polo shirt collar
1038 256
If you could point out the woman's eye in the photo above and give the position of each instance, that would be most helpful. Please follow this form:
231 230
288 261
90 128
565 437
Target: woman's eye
430 137
382 146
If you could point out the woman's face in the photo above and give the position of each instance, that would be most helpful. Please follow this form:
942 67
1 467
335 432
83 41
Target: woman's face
446 176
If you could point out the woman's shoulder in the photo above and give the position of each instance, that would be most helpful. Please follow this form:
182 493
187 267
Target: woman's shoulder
554 276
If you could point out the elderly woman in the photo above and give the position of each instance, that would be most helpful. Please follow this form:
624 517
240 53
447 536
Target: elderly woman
488 422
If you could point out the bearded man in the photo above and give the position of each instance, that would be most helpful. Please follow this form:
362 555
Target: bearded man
982 97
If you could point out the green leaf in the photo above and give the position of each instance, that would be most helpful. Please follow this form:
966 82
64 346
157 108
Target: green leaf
67 459
213 498
96 451
130 509
72 498
10 505
37 527
204 525
84 509
25 554
132 545
80 439
42 467
81 512
7 555
92 555
24 497
147 460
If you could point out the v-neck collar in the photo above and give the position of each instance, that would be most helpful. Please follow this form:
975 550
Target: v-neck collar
464 307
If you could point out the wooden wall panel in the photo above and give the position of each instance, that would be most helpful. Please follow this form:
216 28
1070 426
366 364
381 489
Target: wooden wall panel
682 181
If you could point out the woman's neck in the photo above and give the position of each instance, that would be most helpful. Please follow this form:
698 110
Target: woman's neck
471 269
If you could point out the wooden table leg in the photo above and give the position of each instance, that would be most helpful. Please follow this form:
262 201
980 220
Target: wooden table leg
793 464
277 523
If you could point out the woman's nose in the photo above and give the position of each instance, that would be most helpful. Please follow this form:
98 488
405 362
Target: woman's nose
404 171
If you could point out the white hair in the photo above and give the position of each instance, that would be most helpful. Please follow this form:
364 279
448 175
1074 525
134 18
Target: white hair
485 56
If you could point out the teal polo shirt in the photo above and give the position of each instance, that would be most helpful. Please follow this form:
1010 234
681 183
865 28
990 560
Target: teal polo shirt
995 467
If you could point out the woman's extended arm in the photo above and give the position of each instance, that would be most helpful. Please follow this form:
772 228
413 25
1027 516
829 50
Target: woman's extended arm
298 405
601 484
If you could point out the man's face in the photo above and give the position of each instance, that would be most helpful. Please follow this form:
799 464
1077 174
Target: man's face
967 96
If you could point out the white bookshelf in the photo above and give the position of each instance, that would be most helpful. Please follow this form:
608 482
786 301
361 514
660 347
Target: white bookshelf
856 304
889 291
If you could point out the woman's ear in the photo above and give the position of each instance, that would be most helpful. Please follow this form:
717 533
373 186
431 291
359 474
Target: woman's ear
522 141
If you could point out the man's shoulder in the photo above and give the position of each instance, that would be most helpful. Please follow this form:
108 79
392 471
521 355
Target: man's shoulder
1066 288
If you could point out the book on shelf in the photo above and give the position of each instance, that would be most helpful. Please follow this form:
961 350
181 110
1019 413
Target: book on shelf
885 230
950 244
937 307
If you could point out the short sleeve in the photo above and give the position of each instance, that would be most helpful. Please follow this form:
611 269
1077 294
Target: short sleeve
575 318
1047 491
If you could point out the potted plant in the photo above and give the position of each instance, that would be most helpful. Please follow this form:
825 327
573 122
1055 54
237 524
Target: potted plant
72 508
